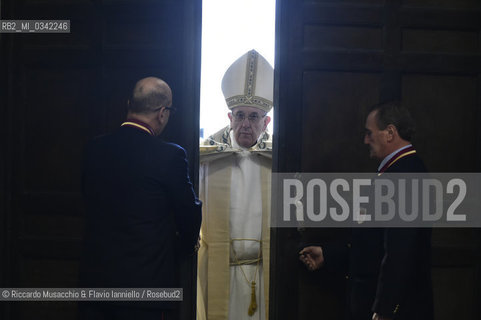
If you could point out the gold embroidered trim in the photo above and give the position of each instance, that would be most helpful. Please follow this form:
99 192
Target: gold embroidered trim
128 123
241 100
251 74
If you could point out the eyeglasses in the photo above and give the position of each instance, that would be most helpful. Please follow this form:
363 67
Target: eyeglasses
253 117
171 109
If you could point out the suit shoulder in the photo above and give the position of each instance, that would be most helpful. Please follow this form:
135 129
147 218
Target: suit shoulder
97 142
411 163
99 138
172 148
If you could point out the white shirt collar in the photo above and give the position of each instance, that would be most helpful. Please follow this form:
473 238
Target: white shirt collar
391 155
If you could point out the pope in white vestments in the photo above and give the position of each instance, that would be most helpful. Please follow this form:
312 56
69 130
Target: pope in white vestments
235 185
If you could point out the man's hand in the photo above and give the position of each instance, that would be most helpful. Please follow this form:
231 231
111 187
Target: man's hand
312 257
375 316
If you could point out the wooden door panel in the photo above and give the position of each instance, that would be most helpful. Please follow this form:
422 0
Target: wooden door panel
440 41
63 89
454 279
448 4
54 123
333 60
319 37
446 110
328 98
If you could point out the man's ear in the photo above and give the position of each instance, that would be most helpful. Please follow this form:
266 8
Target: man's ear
392 132
267 120
161 116
230 116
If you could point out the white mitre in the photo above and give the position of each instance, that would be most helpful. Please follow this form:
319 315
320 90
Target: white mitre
249 81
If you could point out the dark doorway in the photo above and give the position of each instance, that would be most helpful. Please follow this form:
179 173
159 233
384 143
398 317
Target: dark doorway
58 91
333 60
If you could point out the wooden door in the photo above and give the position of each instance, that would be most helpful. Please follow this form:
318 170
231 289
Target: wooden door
333 60
58 91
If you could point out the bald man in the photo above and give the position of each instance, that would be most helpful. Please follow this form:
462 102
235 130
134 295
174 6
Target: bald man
141 209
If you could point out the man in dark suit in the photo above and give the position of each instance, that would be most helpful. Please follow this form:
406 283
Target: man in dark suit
141 209
389 268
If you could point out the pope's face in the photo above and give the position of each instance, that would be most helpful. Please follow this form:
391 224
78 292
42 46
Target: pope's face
375 138
248 123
